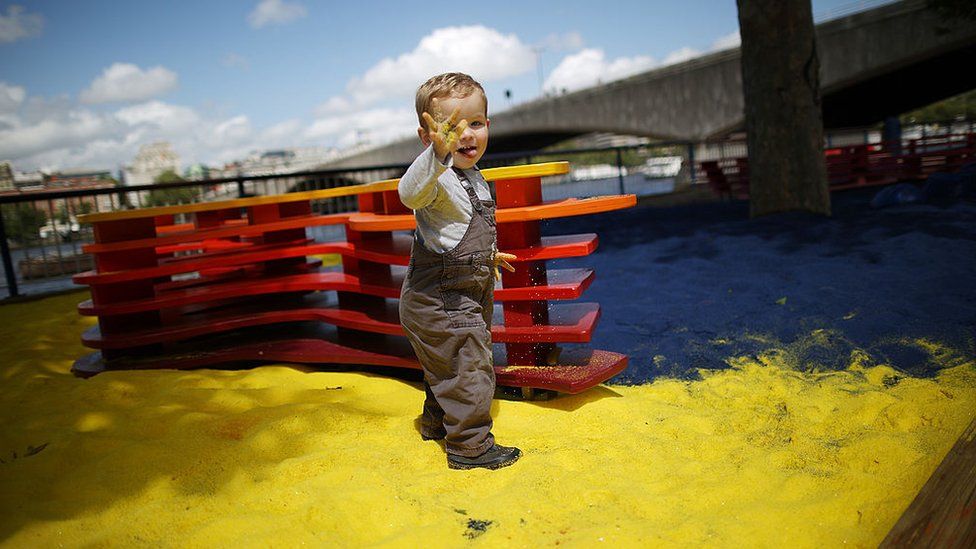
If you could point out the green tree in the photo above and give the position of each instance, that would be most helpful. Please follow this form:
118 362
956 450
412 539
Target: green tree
961 106
64 216
23 221
177 195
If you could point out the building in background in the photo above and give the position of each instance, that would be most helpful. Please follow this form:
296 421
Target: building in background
75 178
29 181
53 218
150 162
282 161
67 209
6 177
197 172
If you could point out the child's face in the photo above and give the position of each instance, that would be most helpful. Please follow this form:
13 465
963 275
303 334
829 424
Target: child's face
473 142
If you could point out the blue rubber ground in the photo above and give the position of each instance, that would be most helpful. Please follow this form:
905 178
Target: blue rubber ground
688 287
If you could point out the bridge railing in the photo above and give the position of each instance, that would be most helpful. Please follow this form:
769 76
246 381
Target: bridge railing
912 158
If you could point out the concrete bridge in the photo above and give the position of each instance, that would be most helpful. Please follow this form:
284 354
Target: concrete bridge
876 63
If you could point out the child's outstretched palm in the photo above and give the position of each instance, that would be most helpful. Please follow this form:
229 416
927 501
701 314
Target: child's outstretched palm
446 135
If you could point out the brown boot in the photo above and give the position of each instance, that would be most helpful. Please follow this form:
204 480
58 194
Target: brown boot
495 457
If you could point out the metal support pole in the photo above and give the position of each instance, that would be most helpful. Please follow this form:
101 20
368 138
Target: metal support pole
692 172
240 188
8 264
620 171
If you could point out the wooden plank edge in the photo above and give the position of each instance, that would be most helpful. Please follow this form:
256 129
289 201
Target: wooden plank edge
943 514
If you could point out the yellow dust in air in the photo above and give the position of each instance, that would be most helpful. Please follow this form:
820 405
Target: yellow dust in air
757 455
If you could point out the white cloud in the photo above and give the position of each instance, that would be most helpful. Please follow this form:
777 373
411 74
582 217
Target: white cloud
283 132
11 97
374 126
17 24
275 12
334 105
233 130
235 61
570 41
159 115
484 53
681 54
39 133
127 82
64 130
590 67
55 134
731 40
376 106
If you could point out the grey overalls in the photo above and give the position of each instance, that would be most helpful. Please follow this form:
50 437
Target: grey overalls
445 309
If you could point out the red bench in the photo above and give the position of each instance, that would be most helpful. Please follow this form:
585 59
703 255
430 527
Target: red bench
859 165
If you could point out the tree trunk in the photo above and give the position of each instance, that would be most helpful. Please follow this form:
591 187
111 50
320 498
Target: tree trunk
784 124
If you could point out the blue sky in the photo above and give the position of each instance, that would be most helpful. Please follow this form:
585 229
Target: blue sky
85 83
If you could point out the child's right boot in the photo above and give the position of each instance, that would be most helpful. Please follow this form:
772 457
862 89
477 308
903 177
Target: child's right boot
495 457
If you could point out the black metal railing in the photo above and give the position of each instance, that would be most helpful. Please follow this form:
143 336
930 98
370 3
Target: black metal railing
40 240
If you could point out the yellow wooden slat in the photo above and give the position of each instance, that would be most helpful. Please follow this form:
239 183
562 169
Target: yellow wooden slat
528 170
491 174
379 186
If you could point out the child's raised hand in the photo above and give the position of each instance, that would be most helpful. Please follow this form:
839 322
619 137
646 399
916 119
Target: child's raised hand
445 136
501 259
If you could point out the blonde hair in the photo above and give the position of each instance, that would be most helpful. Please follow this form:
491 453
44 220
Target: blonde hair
449 84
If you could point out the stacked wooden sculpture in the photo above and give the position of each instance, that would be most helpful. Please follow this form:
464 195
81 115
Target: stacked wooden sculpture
241 283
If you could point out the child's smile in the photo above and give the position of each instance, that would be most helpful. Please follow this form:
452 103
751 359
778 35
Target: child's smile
468 152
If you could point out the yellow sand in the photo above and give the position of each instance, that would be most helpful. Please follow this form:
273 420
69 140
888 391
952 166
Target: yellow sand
758 455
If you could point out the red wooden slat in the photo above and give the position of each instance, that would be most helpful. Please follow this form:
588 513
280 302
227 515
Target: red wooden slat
578 371
568 207
191 264
397 253
194 236
564 284
571 323
210 245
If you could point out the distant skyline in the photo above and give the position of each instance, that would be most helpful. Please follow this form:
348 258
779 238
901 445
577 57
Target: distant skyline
86 83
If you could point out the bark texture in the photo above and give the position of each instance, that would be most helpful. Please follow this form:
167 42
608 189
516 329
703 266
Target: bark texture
784 124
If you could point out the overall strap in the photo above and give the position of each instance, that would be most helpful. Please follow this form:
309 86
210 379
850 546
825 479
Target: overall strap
466 183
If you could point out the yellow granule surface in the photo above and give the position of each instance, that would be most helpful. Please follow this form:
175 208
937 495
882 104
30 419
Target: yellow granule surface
757 455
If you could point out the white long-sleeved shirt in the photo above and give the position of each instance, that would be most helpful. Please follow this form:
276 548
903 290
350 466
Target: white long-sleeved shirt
440 203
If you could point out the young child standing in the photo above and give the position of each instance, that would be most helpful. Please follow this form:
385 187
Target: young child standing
447 297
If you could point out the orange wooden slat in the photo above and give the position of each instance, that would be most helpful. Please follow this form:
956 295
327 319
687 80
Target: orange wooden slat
568 207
